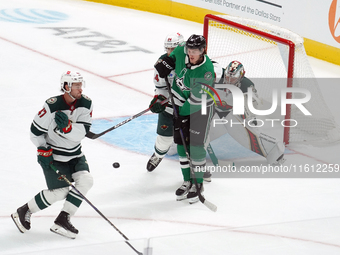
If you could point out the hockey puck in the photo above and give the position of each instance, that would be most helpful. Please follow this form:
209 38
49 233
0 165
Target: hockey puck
116 165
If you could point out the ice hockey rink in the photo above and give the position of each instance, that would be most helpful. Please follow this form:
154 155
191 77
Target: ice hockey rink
115 50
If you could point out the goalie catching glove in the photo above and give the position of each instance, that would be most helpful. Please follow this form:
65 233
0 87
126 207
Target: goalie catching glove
165 66
63 123
155 104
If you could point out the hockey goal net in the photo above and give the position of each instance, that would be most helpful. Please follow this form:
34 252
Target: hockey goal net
273 57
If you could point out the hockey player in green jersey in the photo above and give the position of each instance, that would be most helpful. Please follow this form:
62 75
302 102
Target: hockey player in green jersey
194 77
57 130
164 138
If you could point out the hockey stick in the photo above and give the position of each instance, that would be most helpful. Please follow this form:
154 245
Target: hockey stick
92 135
208 204
95 208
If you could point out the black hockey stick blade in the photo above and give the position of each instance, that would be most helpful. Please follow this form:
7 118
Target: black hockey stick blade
92 135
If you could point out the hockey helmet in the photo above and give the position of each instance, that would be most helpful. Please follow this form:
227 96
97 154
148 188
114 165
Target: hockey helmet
196 42
234 73
172 40
70 77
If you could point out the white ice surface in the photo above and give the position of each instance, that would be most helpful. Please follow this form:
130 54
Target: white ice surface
254 216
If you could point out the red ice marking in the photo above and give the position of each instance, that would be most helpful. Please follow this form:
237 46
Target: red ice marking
227 228
79 68
140 71
308 156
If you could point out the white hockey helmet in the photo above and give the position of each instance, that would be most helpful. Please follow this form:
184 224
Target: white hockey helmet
70 77
234 73
172 40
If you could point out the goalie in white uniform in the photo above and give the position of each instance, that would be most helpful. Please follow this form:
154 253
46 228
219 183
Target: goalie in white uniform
56 131
249 135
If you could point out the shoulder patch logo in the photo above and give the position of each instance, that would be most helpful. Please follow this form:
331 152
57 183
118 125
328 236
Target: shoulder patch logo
208 76
52 100
86 97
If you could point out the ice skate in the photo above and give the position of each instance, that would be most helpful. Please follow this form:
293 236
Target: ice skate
22 218
182 191
153 162
193 194
63 226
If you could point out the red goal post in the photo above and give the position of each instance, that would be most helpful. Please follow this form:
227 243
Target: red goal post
277 56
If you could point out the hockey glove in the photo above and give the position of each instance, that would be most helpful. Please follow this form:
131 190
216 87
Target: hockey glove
63 123
155 104
45 157
165 66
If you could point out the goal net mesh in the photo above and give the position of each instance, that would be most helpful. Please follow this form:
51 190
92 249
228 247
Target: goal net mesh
266 61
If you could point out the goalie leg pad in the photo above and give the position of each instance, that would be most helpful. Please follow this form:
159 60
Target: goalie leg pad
254 140
246 136
275 156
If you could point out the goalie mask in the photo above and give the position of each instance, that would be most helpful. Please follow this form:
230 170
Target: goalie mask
234 73
172 40
196 42
70 77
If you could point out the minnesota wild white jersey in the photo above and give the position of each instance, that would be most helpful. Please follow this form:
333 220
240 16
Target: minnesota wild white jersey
44 130
191 81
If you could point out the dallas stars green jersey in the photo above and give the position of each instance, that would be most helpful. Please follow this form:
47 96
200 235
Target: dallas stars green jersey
44 131
191 82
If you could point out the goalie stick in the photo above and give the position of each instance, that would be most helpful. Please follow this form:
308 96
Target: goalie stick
92 135
95 208
208 204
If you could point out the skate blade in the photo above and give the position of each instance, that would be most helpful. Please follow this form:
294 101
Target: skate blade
182 197
15 218
193 200
63 232
207 179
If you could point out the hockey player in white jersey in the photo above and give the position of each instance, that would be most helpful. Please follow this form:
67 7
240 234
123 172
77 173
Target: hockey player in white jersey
56 131
164 140
249 135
